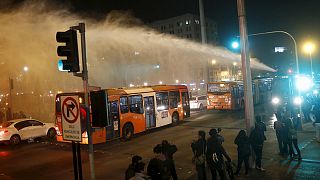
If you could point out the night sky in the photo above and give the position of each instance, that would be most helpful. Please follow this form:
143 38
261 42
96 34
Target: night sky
298 17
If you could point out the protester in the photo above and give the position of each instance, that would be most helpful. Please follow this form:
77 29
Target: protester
139 172
220 137
158 167
130 172
294 138
214 155
257 138
288 138
168 151
277 125
243 143
199 151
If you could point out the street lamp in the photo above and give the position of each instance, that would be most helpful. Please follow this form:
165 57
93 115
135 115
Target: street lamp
213 62
309 47
26 68
235 45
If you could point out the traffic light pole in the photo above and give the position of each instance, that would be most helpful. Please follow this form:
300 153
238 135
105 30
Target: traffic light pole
84 76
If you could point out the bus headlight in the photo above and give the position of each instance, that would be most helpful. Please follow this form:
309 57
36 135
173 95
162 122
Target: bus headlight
297 100
315 92
275 100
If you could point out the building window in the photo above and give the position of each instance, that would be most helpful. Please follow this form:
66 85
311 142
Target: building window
170 25
188 22
197 21
179 23
171 32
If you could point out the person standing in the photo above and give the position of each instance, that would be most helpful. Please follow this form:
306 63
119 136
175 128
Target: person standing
199 150
214 155
130 172
294 138
158 168
257 139
168 151
277 125
243 143
139 172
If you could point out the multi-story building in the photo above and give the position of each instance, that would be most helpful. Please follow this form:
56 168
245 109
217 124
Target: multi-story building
187 26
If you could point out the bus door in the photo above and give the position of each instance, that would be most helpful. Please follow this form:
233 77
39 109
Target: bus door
149 112
185 104
113 129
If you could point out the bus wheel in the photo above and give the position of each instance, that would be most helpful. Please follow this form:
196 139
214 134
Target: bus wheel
175 117
15 139
127 132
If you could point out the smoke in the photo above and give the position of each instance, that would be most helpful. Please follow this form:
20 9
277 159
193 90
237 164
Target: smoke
120 50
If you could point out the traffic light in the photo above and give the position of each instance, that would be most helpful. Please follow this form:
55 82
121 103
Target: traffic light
70 50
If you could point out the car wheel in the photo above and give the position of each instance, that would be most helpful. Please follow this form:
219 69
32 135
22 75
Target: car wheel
175 117
127 132
51 133
15 140
201 107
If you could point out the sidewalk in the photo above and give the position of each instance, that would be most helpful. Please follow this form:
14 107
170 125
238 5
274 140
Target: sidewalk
278 167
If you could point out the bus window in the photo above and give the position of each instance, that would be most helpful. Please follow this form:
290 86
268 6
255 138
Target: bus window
185 99
124 104
136 104
174 98
162 101
58 104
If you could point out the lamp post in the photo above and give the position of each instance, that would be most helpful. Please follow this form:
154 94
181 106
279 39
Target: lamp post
235 46
309 48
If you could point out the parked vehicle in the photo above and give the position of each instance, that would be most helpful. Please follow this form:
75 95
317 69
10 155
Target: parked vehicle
198 102
15 131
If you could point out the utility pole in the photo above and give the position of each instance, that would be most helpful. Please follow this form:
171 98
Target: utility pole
204 34
246 71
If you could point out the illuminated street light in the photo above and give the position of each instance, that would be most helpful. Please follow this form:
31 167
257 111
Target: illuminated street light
234 63
160 82
177 81
145 84
309 47
235 45
213 62
25 68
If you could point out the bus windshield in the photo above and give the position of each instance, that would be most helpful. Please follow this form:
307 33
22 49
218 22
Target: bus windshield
218 88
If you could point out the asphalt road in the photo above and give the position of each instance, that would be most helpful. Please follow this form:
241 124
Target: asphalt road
50 160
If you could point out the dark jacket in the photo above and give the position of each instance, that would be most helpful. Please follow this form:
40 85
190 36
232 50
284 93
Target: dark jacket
215 150
158 168
256 137
199 147
243 144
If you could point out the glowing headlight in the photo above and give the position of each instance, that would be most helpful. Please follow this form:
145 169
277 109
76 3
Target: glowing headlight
303 83
275 100
297 100
315 92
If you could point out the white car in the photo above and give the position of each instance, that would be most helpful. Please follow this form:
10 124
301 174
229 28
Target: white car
198 102
14 131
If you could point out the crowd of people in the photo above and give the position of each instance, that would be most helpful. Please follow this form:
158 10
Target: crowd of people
209 152
160 167
286 131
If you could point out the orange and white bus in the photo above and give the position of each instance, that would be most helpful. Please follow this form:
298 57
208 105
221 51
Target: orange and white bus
225 95
128 111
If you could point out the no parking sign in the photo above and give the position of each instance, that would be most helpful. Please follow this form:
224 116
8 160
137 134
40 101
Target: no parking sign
71 126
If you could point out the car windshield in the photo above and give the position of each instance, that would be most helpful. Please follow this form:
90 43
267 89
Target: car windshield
5 124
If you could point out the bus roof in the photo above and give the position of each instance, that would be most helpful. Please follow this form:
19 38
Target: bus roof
133 90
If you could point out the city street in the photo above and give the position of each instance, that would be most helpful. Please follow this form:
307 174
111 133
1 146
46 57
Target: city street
46 160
